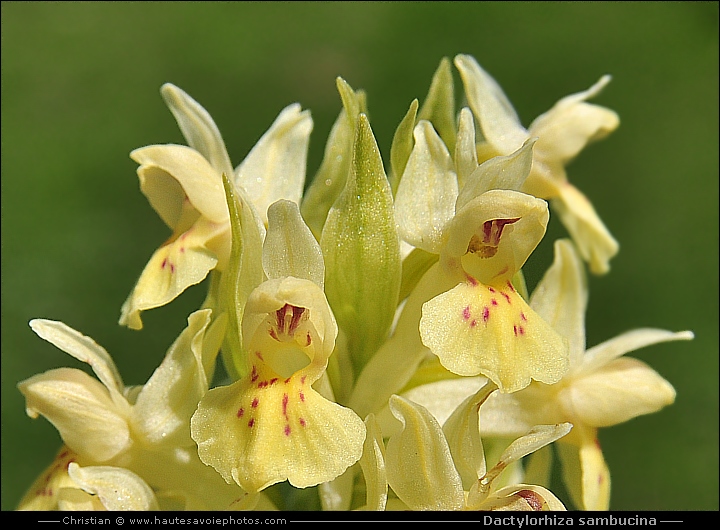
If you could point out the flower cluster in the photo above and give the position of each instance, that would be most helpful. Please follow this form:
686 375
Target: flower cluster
378 338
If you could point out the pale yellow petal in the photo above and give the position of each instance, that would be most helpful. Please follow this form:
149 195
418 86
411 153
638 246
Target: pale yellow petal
258 432
498 173
478 329
603 353
419 464
117 488
571 124
162 411
199 180
82 411
372 463
561 298
175 266
462 431
466 157
498 120
594 242
275 167
84 349
198 127
425 198
618 391
290 249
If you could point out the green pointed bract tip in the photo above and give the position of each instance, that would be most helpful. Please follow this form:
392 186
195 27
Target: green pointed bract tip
332 174
361 248
439 105
402 145
243 274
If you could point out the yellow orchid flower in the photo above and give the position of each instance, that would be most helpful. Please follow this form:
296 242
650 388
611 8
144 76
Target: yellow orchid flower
131 440
563 132
601 387
272 425
464 309
184 185
430 467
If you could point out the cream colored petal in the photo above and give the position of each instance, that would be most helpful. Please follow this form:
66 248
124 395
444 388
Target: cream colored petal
199 180
198 127
336 495
117 488
571 124
425 198
618 391
498 173
419 464
466 157
82 411
477 329
462 431
84 349
594 242
372 463
439 105
258 432
521 220
175 266
497 118
290 249
275 167
603 353
443 397
537 438
561 298
77 500
402 145
166 402
167 197
585 472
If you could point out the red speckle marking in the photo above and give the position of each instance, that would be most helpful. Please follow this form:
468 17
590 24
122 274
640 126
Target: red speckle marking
472 281
521 330
302 397
272 333
507 297
473 323
493 301
287 430
491 290
523 317
251 422
302 422
510 285
532 498
163 264
253 374
182 249
515 330
308 340
302 380
262 384
254 403
466 312
259 355
273 380
285 404
486 314
172 268
240 412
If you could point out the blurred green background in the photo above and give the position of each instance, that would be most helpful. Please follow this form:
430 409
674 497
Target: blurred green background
80 90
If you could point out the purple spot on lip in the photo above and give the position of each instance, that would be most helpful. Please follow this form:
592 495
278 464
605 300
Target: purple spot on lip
486 314
466 313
